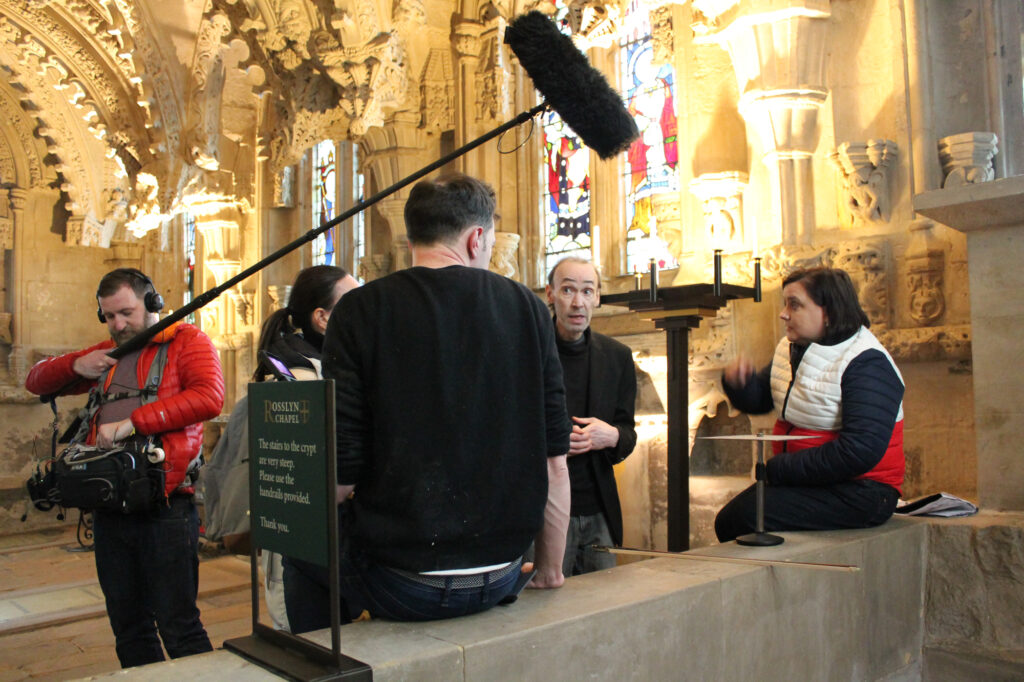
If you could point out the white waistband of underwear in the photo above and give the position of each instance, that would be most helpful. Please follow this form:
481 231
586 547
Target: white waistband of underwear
468 571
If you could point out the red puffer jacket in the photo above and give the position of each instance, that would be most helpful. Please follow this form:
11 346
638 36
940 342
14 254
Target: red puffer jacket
191 391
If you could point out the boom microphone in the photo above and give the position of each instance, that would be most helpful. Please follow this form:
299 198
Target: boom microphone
570 85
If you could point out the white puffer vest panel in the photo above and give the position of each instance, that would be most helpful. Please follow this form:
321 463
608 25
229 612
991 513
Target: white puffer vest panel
815 399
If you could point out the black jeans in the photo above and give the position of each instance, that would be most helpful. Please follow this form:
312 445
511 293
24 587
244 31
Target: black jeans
148 567
850 504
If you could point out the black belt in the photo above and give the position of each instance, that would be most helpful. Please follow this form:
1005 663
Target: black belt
458 582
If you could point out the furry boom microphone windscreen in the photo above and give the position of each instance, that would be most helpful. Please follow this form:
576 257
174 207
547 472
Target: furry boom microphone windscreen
570 85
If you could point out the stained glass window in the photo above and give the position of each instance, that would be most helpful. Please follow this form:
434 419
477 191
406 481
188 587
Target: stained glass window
566 192
189 241
358 222
325 192
566 181
650 170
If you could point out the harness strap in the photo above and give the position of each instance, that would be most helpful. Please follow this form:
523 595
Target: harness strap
98 396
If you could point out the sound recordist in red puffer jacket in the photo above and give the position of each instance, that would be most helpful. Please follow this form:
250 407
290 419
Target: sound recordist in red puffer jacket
147 562
831 380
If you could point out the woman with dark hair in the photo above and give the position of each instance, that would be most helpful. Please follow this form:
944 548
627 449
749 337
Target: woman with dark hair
833 381
295 335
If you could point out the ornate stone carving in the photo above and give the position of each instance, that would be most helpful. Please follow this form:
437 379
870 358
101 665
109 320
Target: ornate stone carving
713 348
924 344
662 35
6 236
374 266
285 33
864 167
722 197
594 23
209 320
466 39
202 136
243 303
504 257
408 15
279 294
437 91
867 264
967 158
668 218
284 188
493 80
926 263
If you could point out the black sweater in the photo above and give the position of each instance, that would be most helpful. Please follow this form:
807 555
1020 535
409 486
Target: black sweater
449 399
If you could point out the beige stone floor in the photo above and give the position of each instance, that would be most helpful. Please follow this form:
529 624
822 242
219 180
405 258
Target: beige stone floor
53 624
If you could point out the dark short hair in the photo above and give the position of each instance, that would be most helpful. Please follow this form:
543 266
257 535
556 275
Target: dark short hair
313 288
833 290
574 259
112 282
439 210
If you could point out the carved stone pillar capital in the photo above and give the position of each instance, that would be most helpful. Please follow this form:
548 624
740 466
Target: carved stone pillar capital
279 294
594 23
243 302
374 266
466 39
18 197
967 158
504 259
722 197
124 255
864 167
778 54
223 270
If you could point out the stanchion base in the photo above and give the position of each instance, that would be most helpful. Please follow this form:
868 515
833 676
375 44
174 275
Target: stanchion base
759 540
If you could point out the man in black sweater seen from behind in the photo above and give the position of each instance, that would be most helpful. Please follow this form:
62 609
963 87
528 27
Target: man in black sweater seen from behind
452 429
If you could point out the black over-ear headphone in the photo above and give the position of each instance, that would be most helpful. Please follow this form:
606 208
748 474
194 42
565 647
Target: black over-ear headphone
153 301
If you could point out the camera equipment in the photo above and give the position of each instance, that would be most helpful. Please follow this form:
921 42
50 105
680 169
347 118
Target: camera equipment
122 479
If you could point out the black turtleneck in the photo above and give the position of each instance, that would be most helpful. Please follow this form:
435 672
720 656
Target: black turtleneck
575 357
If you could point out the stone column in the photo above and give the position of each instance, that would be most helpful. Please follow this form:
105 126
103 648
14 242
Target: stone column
992 216
18 360
778 52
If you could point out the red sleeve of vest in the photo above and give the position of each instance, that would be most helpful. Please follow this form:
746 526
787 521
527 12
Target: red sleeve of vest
58 374
191 389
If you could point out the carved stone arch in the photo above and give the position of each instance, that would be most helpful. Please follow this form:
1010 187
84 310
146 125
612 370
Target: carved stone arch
22 161
85 105
81 66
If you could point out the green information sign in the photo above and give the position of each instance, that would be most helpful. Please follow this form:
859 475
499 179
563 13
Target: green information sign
291 467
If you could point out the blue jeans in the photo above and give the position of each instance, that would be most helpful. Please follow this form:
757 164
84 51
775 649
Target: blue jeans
148 567
384 592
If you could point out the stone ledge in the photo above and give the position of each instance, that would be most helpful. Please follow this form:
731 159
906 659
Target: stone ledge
667 619
981 206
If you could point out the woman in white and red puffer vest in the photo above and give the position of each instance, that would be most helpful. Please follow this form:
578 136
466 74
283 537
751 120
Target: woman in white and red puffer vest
832 380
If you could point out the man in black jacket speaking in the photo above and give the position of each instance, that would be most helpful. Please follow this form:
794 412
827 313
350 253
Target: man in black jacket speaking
600 393
451 421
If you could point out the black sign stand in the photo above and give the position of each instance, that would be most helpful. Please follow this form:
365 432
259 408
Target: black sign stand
677 310
281 652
